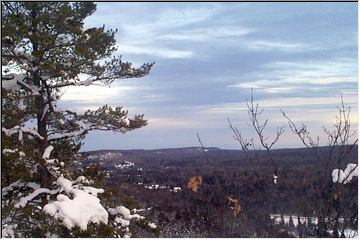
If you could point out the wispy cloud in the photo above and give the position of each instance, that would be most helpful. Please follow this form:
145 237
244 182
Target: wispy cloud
283 102
144 38
208 34
183 17
154 51
266 86
310 68
267 45
292 77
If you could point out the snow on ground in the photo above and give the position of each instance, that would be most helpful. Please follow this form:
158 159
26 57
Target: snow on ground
275 179
349 233
105 156
176 189
157 186
277 219
126 164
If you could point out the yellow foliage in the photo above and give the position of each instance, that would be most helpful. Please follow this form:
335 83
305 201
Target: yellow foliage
194 183
237 207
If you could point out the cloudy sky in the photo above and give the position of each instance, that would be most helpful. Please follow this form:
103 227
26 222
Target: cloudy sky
299 57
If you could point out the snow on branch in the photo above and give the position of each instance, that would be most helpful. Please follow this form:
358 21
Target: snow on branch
18 184
123 217
80 179
10 151
6 150
17 129
24 200
47 152
11 187
82 209
14 82
57 136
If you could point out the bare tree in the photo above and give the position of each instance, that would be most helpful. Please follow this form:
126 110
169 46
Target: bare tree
341 142
254 113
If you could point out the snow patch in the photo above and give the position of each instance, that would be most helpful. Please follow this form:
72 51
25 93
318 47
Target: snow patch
275 179
152 225
345 176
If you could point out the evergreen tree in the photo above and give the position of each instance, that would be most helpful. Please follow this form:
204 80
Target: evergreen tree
45 48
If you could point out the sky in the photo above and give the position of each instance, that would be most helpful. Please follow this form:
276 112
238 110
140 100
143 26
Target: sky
299 57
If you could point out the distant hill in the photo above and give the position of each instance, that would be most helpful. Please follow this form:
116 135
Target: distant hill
195 156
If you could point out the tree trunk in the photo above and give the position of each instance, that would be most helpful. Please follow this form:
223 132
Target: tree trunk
44 174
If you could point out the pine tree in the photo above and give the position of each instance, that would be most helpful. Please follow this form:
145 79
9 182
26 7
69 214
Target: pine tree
45 48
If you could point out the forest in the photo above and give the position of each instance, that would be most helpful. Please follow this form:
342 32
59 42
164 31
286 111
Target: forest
225 173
